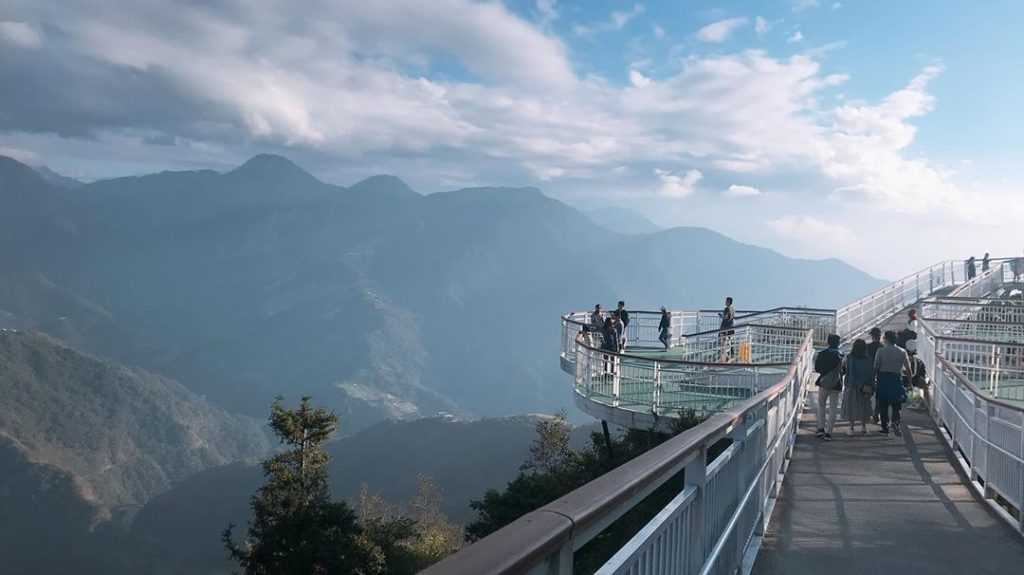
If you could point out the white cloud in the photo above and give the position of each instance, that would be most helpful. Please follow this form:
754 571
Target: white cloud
738 191
837 5
659 32
20 34
620 19
617 20
801 5
720 31
674 185
795 37
356 87
638 79
813 236
761 26
547 10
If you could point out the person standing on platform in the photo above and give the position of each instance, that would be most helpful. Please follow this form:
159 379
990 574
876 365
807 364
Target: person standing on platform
725 331
984 263
829 365
619 329
663 328
624 318
859 387
596 319
873 347
972 270
890 363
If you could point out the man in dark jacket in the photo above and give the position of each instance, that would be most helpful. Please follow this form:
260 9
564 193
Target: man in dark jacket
829 364
873 347
664 327
624 316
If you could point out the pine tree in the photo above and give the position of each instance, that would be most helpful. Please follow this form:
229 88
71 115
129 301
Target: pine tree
295 527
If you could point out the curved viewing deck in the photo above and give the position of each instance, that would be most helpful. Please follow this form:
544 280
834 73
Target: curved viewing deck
731 513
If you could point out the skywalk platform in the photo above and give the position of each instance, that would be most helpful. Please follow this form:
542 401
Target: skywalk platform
868 504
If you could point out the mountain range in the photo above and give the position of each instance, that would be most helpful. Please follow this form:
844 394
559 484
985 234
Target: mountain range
376 300
149 322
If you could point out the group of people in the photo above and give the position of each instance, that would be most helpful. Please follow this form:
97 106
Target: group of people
612 329
873 381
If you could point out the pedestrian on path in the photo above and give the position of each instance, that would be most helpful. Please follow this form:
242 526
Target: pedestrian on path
890 363
859 387
829 365
624 318
663 328
873 347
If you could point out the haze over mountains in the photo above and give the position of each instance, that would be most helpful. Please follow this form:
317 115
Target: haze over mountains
224 290
376 300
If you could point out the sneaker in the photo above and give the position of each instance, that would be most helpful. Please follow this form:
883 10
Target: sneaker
828 437
874 419
820 433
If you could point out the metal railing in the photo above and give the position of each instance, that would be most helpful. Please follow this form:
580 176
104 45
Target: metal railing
708 527
642 333
855 319
706 374
987 434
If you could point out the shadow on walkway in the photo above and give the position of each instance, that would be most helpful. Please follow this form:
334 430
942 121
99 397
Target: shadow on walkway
867 504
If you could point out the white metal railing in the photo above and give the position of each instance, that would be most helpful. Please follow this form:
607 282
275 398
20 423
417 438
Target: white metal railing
855 319
643 332
721 506
717 369
987 435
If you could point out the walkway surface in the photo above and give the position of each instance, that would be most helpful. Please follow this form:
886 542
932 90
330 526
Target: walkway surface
866 504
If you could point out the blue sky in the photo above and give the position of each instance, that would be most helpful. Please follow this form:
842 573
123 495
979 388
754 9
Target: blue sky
885 133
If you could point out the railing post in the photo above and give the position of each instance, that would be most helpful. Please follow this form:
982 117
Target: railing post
656 405
696 475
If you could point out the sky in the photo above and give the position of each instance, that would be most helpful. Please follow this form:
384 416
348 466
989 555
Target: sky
883 133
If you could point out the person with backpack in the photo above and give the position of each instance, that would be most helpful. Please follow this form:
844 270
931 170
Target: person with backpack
624 318
859 387
829 365
663 328
891 362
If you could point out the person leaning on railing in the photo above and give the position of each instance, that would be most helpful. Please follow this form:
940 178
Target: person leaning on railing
891 362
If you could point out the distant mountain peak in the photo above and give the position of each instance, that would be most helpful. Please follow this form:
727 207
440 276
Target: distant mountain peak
383 184
271 166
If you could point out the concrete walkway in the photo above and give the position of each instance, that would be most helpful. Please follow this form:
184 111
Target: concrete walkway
868 504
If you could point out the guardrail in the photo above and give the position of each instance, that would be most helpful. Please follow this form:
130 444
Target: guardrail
855 319
709 525
706 374
642 333
987 435
978 399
